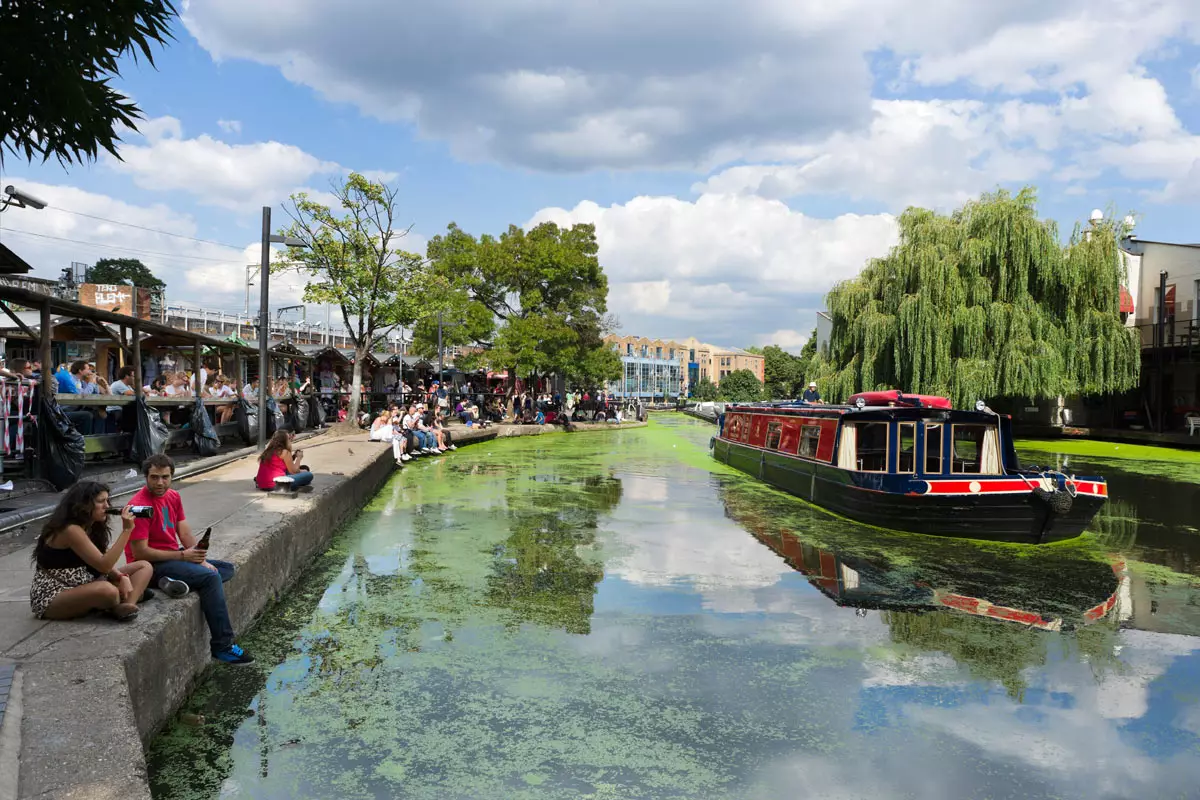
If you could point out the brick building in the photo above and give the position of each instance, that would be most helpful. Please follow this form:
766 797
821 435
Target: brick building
653 368
714 362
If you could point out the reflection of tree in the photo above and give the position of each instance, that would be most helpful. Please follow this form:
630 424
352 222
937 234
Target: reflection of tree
539 573
990 650
1116 524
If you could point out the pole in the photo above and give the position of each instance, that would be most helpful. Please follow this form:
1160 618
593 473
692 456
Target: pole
197 361
136 335
1162 343
264 328
47 367
441 363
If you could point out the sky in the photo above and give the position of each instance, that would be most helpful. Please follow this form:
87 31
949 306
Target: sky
738 159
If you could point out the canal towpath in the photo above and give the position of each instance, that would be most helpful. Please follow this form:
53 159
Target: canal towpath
79 698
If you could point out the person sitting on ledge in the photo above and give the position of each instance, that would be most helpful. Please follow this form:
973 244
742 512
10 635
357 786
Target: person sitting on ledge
276 462
76 567
165 539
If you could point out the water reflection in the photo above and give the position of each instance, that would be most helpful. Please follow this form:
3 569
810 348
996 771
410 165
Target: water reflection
612 618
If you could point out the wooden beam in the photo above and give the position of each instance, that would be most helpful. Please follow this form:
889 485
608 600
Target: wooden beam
37 340
44 346
137 360
106 333
196 363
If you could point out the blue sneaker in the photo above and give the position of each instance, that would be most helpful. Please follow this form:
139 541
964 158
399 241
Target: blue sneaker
234 655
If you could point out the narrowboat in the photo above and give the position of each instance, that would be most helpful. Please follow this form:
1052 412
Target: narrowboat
908 462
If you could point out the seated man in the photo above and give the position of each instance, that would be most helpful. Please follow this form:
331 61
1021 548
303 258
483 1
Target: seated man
167 542
811 395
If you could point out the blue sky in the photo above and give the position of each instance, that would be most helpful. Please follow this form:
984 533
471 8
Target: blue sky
738 159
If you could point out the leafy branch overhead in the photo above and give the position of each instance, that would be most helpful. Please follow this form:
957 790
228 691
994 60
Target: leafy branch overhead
536 300
352 260
59 60
983 303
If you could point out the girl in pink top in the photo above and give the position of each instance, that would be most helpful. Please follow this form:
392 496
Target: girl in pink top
276 461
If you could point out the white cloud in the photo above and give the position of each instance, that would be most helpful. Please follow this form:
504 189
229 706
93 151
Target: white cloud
739 265
198 273
238 177
790 340
230 125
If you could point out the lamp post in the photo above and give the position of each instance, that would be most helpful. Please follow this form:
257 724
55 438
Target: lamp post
264 319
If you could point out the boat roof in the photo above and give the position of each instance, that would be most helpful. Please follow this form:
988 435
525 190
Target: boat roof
800 408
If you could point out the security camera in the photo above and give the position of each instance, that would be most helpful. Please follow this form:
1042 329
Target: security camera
21 199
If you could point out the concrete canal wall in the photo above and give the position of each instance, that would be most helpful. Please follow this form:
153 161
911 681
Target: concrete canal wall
80 698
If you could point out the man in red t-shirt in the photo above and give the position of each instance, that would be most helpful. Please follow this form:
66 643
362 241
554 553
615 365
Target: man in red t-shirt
167 542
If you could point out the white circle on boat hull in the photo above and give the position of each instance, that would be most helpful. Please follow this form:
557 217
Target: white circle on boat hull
975 486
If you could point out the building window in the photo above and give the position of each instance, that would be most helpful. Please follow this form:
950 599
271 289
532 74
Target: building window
774 432
692 356
810 439
629 349
672 354
907 452
645 350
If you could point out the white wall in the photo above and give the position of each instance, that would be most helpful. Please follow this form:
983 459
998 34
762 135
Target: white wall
1183 269
824 331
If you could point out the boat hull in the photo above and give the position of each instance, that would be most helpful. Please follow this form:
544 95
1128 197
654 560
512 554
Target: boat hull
1015 517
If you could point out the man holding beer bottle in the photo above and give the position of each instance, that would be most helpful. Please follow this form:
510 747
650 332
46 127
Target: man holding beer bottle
181 563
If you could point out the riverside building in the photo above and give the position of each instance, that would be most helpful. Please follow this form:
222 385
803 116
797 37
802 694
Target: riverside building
652 369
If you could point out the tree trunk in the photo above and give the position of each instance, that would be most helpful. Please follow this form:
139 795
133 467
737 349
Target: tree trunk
356 384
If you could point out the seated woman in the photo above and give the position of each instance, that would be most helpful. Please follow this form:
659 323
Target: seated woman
276 462
76 568
381 428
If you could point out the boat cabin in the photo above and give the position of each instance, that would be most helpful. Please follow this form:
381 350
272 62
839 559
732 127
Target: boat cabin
915 441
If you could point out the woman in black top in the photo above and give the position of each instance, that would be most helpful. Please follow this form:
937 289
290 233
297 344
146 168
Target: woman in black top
77 569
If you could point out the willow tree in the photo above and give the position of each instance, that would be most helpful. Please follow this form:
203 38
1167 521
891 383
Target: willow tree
981 303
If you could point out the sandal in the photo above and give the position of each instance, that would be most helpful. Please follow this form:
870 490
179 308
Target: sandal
124 612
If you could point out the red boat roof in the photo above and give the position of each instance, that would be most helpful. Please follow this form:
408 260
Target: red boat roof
895 396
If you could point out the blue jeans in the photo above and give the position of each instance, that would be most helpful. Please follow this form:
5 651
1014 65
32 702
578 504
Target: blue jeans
301 479
210 587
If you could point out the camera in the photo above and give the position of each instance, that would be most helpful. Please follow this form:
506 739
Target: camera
21 199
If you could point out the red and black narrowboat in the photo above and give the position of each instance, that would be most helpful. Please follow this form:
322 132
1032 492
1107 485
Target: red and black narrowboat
908 462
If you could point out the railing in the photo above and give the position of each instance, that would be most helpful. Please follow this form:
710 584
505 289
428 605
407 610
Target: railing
1172 333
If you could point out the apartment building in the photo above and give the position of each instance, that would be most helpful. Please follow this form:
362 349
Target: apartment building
652 368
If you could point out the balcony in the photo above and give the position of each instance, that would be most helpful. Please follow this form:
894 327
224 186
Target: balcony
1177 333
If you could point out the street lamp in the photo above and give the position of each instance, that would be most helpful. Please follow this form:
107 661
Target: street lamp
264 318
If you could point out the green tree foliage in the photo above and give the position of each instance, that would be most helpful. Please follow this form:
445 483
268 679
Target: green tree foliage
60 58
536 300
352 261
982 303
741 386
124 271
704 390
784 373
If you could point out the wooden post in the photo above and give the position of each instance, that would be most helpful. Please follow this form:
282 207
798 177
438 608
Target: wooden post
196 349
47 366
137 360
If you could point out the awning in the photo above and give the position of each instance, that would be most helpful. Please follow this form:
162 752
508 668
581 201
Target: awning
1126 301
500 375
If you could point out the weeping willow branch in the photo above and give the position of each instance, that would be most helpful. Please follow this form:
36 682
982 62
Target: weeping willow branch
981 303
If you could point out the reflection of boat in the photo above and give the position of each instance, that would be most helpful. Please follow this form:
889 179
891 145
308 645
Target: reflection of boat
908 462
865 584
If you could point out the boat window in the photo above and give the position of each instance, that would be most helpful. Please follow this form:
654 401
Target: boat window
774 431
906 458
933 449
871 446
976 450
810 439
968 449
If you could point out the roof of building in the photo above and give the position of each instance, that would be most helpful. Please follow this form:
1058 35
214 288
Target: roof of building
11 263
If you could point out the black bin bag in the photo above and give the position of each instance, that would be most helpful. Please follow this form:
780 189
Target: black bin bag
299 414
204 435
59 445
246 417
150 433
275 420
316 412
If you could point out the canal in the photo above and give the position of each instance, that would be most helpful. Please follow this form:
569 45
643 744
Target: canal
616 616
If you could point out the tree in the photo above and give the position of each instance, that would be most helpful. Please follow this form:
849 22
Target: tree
783 372
352 261
129 271
536 300
985 302
704 390
741 386
59 62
